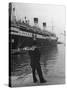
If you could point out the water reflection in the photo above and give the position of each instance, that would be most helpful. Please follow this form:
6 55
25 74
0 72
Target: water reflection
48 58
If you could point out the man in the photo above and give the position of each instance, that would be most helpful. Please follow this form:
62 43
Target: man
35 63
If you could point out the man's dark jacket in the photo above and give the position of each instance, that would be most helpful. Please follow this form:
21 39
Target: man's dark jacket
35 56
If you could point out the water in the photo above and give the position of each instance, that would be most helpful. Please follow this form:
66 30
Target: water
52 63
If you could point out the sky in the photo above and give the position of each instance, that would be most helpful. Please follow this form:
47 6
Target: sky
51 14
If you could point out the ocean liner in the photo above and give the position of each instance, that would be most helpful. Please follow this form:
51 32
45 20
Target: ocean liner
22 34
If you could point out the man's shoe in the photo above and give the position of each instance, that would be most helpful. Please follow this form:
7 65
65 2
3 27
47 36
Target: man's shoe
35 81
43 81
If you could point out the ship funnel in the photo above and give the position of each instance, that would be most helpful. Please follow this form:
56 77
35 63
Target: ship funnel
35 21
44 25
13 15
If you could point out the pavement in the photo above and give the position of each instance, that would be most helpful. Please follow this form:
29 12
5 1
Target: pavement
19 81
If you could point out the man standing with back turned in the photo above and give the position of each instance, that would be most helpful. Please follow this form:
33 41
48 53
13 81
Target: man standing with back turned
35 63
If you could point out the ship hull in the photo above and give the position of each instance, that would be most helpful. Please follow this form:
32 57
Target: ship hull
20 38
20 42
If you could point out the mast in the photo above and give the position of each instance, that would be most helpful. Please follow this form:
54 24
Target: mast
10 11
53 25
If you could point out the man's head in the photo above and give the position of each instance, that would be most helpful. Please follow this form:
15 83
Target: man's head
34 45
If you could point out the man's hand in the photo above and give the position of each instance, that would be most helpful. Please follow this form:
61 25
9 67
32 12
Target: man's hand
28 48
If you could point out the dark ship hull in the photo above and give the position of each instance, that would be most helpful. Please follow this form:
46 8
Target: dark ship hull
21 37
